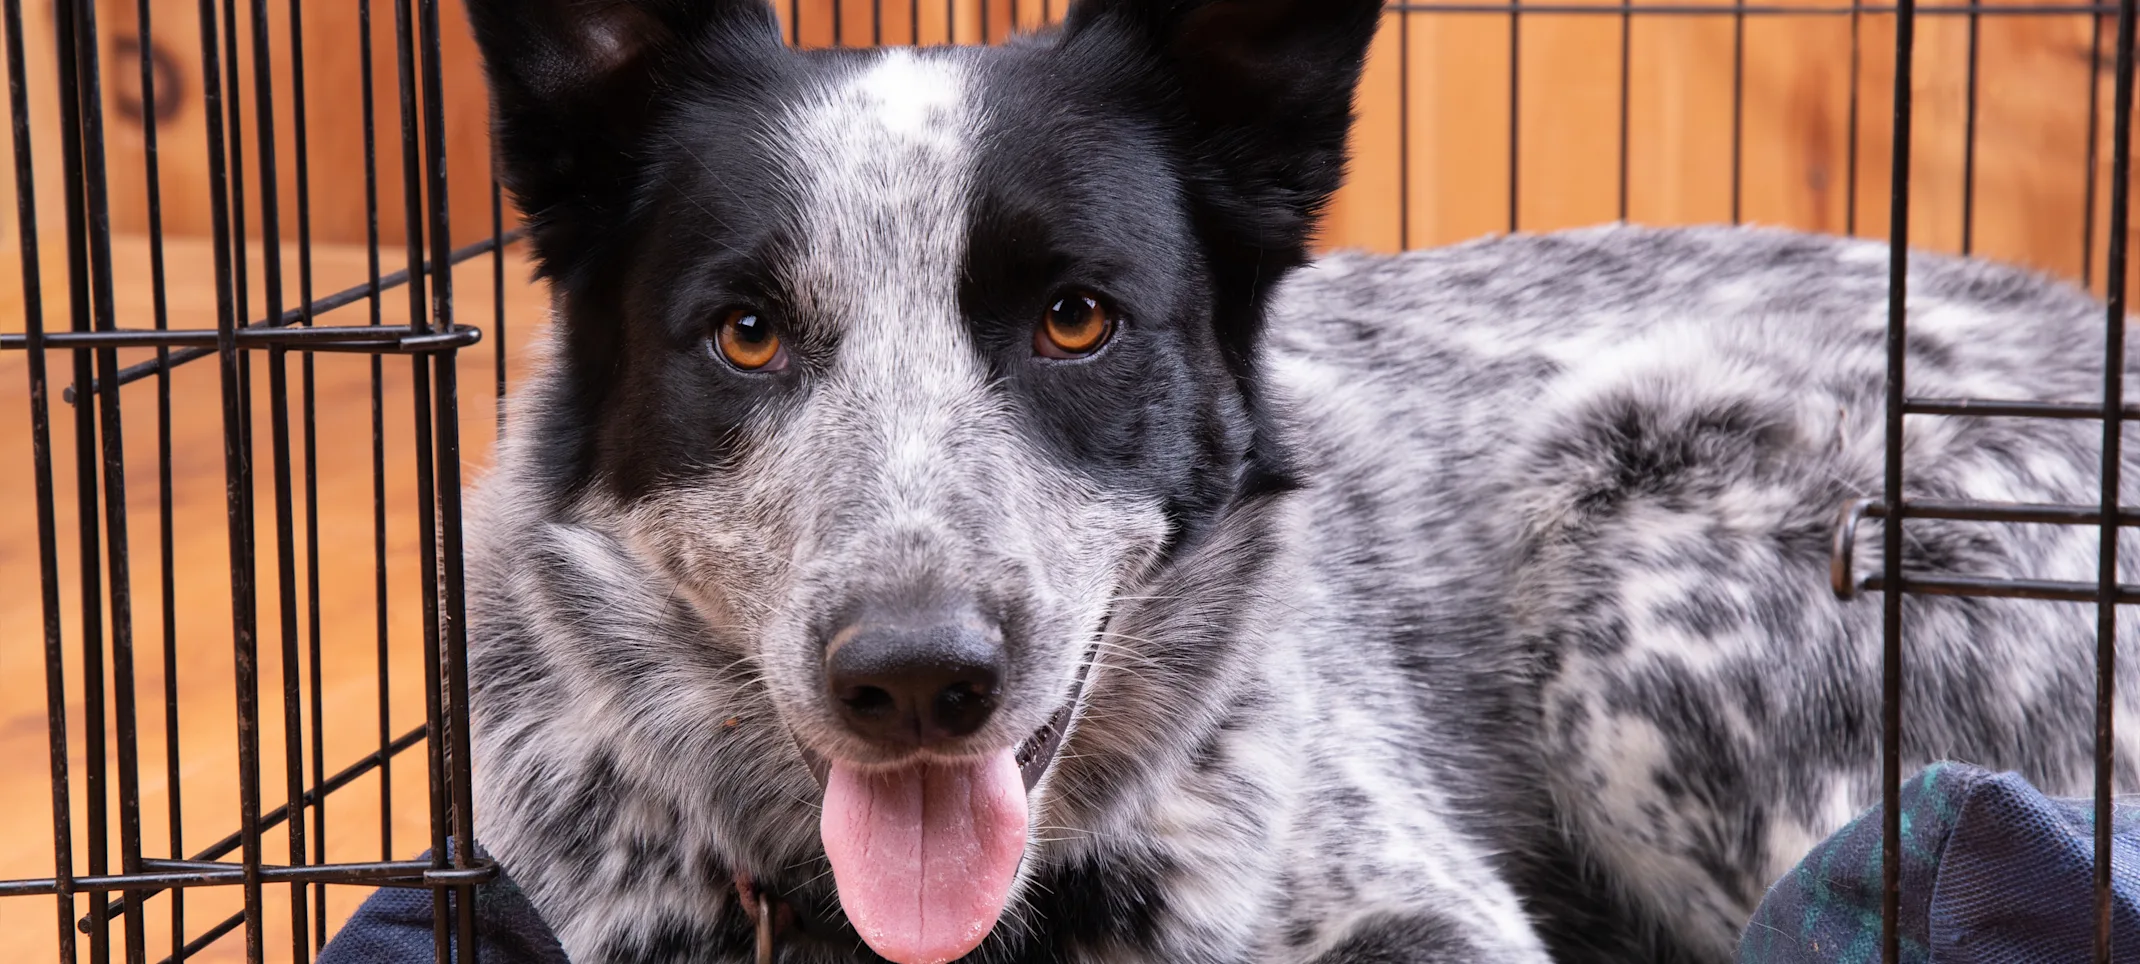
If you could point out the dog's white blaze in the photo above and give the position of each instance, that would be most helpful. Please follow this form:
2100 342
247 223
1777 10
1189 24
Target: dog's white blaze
884 159
910 96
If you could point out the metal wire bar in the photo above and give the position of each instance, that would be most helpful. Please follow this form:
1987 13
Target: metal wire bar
280 469
1969 138
1404 131
2106 633
378 427
238 484
497 298
181 874
2018 512
241 265
2095 88
1891 650
227 312
88 527
309 405
1850 137
1515 106
366 338
368 292
190 948
63 887
1843 551
2000 408
414 225
452 621
165 520
111 435
1983 587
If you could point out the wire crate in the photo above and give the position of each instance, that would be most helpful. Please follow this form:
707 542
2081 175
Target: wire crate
231 653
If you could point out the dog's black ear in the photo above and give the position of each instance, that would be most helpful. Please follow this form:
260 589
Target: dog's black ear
1264 90
1259 96
575 85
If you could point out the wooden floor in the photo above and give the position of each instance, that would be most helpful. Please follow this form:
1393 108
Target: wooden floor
204 682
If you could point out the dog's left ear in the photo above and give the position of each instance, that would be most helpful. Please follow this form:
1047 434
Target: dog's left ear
1263 91
1258 95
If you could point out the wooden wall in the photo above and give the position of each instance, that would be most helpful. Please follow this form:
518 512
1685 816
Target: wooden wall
334 122
1433 147
1795 167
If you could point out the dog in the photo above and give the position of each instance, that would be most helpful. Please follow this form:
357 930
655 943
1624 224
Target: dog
955 518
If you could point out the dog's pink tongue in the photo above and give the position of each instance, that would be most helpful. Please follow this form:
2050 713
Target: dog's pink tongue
925 856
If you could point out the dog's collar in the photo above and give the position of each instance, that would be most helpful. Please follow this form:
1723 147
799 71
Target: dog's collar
765 913
1052 733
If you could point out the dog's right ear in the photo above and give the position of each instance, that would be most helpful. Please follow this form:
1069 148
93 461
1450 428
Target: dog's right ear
576 85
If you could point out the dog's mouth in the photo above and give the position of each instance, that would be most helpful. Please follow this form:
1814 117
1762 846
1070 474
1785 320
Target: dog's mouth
925 855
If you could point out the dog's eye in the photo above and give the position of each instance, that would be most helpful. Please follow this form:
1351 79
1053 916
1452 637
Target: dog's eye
1075 326
748 341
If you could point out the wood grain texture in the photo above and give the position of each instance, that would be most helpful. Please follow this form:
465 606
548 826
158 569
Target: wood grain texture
334 160
1432 150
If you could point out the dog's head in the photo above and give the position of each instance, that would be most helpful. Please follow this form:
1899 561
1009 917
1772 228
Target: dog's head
903 364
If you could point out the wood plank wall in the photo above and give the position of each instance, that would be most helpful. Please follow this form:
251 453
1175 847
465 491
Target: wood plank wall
1439 89
334 121
1433 146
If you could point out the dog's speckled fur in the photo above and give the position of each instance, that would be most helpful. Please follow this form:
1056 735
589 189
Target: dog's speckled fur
1473 609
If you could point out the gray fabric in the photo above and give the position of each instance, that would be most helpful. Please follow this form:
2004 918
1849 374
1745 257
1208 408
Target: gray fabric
393 926
1993 872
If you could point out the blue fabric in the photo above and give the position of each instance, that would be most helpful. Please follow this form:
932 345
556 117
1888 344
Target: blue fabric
393 926
1993 872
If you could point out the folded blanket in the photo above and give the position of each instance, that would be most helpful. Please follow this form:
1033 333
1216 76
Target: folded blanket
1993 872
393 926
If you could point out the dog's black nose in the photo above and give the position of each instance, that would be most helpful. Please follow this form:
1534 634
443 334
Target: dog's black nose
913 686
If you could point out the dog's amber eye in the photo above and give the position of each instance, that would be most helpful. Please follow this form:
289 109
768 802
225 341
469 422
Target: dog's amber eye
749 342
1075 326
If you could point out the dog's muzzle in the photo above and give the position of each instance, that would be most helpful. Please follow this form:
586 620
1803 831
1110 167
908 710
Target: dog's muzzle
1035 754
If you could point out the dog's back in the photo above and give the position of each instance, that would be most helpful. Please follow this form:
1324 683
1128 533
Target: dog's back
1616 456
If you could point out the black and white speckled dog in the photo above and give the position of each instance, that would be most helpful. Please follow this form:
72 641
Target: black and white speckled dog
951 513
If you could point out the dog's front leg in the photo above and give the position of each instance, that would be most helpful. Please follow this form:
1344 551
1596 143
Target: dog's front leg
1380 877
